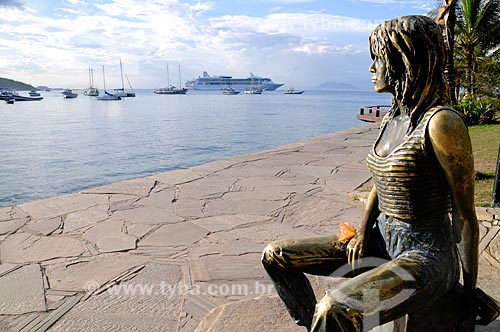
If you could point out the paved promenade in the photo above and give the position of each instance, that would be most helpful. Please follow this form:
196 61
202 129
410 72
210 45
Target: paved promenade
180 251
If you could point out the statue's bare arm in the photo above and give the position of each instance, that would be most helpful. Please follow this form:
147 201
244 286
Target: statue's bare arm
357 246
451 144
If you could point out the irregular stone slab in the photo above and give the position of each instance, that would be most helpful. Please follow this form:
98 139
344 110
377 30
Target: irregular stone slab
217 180
161 199
84 275
276 185
227 246
24 247
119 202
215 267
138 230
193 191
11 225
346 179
189 208
6 214
172 178
7 268
494 247
263 314
322 213
175 235
265 183
83 219
245 206
156 310
268 195
22 291
319 147
213 167
290 159
338 158
251 171
312 171
44 227
147 215
58 206
272 231
109 236
227 222
137 187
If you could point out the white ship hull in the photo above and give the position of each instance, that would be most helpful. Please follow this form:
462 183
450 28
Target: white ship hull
207 82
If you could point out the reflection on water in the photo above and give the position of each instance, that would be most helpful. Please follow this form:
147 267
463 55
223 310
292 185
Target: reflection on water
59 146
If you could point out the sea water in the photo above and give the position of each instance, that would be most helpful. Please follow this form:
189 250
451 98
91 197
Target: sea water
58 146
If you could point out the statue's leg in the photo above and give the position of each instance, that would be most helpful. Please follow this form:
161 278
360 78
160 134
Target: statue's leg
380 295
286 261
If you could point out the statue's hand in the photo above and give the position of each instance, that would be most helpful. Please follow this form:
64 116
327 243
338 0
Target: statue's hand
356 249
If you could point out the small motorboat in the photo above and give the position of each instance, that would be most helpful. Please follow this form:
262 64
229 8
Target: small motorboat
68 93
292 91
9 94
34 93
230 91
253 91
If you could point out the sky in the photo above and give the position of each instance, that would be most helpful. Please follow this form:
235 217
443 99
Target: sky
300 43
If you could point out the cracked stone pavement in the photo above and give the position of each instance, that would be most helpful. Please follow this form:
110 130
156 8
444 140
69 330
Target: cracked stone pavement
180 251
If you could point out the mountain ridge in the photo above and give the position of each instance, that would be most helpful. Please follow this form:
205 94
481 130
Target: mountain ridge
16 85
331 85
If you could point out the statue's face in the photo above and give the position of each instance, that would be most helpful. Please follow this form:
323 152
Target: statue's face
379 70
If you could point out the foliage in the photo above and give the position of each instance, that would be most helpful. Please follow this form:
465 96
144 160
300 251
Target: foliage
488 78
477 39
476 111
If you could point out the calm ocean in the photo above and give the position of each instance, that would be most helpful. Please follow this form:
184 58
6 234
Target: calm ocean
58 146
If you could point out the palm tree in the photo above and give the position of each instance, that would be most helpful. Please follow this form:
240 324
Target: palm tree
446 17
478 36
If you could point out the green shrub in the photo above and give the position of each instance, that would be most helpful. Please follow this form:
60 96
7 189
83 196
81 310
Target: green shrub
476 111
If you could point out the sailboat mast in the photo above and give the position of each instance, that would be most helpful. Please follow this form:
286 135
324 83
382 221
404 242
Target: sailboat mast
168 77
180 81
121 72
103 78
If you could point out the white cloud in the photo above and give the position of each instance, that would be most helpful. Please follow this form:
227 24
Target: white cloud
325 48
146 34
19 4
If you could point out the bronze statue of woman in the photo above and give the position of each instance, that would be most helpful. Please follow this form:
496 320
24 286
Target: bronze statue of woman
423 171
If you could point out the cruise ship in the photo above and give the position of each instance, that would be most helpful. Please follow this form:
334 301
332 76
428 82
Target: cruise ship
207 82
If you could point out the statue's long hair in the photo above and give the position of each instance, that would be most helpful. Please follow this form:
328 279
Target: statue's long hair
414 51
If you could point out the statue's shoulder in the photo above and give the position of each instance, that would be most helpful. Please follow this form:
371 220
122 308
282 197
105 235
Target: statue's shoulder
447 129
445 118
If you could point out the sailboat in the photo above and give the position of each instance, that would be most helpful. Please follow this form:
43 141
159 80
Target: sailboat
107 95
121 91
171 89
91 90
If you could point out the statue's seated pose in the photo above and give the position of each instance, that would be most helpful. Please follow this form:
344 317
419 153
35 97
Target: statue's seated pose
423 171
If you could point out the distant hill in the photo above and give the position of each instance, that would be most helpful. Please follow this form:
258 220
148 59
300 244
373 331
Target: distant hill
11 84
336 86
